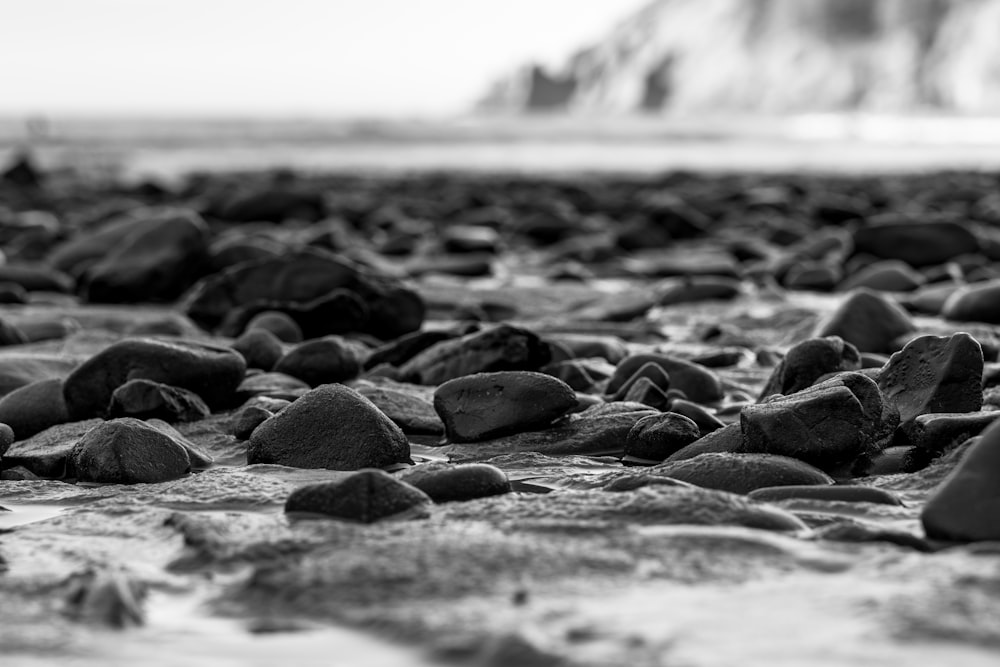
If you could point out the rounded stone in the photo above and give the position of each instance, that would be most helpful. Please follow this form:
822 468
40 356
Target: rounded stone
322 361
128 451
917 244
656 437
366 497
489 405
743 473
700 384
145 399
212 372
839 493
34 407
869 321
332 427
448 483
809 360
260 348
278 323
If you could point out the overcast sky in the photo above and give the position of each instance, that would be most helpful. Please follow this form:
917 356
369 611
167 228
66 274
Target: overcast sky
339 57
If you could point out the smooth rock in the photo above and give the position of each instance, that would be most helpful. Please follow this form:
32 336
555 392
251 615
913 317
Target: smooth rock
322 361
936 432
743 473
728 439
488 405
128 451
869 321
706 421
656 437
406 405
700 384
836 493
277 385
918 244
260 348
284 328
444 482
366 497
808 361
146 399
934 374
34 407
979 302
248 419
331 427
212 372
886 276
46 453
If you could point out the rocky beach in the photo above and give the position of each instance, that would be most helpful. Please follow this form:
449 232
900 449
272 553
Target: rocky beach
680 418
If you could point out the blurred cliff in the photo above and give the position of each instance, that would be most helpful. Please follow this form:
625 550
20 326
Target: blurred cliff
777 56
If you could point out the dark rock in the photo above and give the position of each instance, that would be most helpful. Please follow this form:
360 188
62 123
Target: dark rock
470 238
934 374
694 289
6 438
699 383
332 427
128 451
886 276
406 405
893 461
724 440
652 372
706 421
573 373
303 277
339 311
856 532
322 361
813 276
979 302
449 483
966 506
656 437
226 251
488 405
212 372
10 334
277 385
610 348
22 172
404 348
280 324
272 205
808 361
645 391
868 321
46 453
743 473
260 348
367 496
837 493
145 399
37 278
917 244
936 432
500 348
248 419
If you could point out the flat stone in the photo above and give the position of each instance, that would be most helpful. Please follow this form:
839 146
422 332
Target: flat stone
743 473
885 276
836 493
366 497
488 405
444 482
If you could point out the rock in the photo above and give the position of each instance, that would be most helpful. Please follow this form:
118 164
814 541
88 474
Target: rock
936 432
248 419
706 421
212 372
813 276
809 360
331 427
145 399
581 346
743 473
35 407
277 385
827 428
694 289
449 483
573 372
917 244
366 497
979 302
301 277
488 405
470 238
404 348
6 438
22 172
645 391
886 276
656 437
338 312
229 250
724 440
128 451
934 374
868 321
37 277
652 372
271 204
837 493
597 431
280 324
45 454
322 361
161 254
699 383
966 506
405 405
260 348
10 334
500 348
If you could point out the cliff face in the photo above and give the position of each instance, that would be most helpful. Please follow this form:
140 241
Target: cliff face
777 56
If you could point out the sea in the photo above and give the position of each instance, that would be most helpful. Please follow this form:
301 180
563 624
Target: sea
166 148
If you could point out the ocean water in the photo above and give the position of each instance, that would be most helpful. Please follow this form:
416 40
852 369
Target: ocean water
166 148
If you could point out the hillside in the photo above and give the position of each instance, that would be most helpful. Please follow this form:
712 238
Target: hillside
777 56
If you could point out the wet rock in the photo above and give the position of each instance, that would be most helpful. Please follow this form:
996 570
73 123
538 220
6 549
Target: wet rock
697 382
404 348
837 493
724 440
966 506
487 405
280 324
332 427
656 437
917 244
645 391
212 372
500 348
869 321
338 312
809 360
45 454
813 276
35 407
979 302
10 334
743 473
366 497
248 419
302 277
887 276
450 483
128 451
322 361
859 532
706 421
277 385
651 372
145 399
406 405
934 374
470 238
573 372
161 254
585 346
936 432
597 431
260 348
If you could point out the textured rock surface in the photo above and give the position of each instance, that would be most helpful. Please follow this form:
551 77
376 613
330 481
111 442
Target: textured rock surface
366 497
128 451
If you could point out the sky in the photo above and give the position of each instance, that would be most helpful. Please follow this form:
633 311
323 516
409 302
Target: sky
279 57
